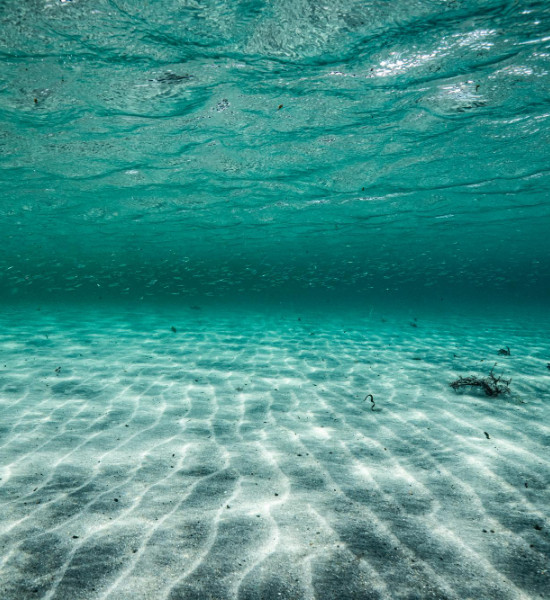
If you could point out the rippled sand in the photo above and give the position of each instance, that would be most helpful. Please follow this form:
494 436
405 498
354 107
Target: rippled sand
238 458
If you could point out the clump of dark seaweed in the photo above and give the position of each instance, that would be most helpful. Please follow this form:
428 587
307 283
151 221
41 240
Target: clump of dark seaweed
505 351
491 385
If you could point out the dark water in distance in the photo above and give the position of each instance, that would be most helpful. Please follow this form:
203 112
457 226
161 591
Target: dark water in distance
298 150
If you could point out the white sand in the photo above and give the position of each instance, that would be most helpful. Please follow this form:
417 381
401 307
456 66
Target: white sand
237 458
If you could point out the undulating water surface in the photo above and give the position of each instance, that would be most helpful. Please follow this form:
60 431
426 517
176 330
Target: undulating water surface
246 248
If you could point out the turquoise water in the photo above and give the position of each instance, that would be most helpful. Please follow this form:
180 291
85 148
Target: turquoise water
143 150
224 225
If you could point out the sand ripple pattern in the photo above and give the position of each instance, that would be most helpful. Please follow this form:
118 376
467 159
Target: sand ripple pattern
236 458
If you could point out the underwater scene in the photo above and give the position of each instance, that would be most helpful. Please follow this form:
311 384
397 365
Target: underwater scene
274 300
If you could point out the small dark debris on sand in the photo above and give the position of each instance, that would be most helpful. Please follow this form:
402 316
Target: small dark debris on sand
504 351
371 398
491 385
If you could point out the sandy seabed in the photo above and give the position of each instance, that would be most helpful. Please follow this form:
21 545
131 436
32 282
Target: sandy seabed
237 457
